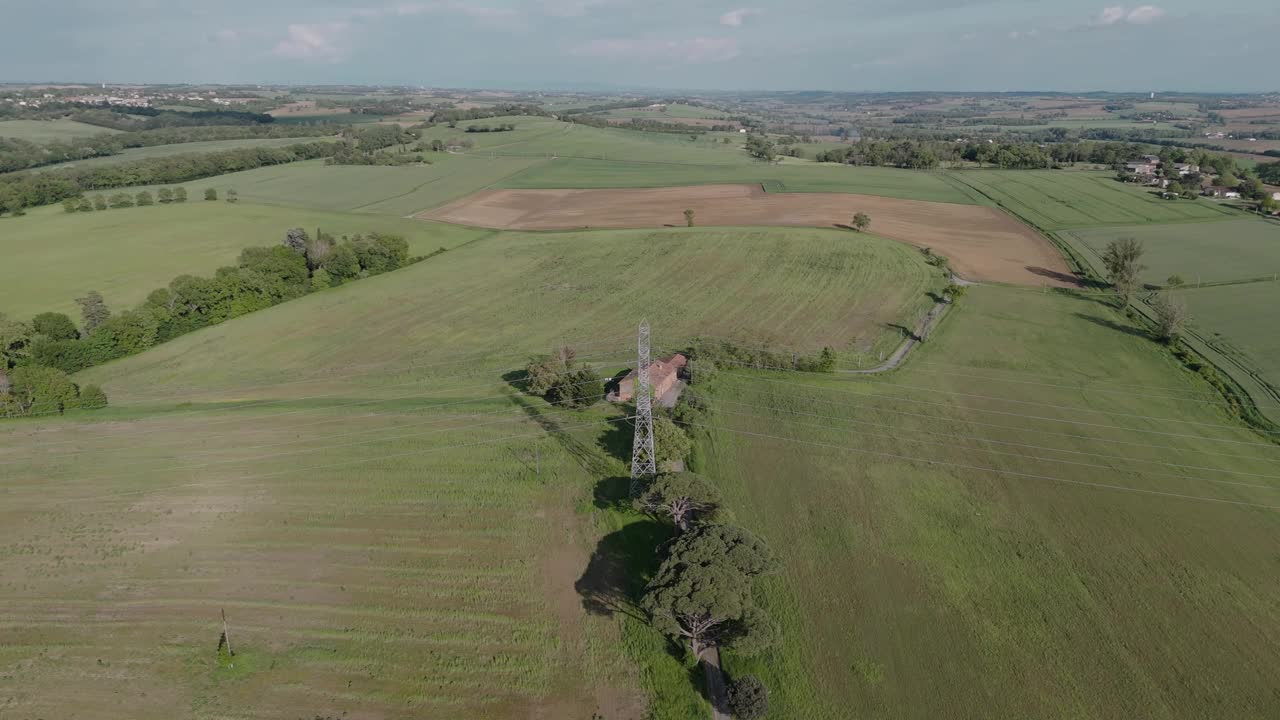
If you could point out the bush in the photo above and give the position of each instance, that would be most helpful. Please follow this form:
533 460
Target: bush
321 280
144 198
54 325
210 194
671 444
748 698
92 398
37 390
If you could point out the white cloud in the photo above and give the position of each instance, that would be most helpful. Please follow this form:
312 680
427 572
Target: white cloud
735 18
1141 15
693 50
322 42
1145 14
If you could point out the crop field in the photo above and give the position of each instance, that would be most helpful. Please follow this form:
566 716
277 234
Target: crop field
156 151
1039 500
47 131
389 532
1056 200
1199 252
398 191
982 243
615 145
1236 318
52 257
788 177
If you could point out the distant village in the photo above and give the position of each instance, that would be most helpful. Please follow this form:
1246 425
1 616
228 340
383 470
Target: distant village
125 98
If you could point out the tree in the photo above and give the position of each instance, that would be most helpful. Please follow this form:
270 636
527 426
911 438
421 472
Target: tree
56 326
1175 281
164 195
682 497
320 279
210 194
180 194
688 218
861 221
671 443
702 591
85 205
93 310
1121 260
70 205
144 198
121 200
1171 317
15 342
748 698
954 292
579 388
233 196
92 398
296 239
99 202
39 390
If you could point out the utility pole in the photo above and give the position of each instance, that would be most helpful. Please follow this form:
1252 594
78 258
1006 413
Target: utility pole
643 460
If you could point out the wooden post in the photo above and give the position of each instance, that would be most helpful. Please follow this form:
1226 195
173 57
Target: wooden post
226 636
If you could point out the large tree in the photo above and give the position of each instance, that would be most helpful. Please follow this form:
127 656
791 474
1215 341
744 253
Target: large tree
1171 317
1122 260
683 497
54 325
861 221
93 310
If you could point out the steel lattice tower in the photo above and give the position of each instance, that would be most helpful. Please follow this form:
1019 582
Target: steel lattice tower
643 461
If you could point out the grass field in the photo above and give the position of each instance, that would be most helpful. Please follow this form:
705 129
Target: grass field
46 131
1238 318
1097 568
1055 200
1199 252
799 177
414 555
52 257
182 148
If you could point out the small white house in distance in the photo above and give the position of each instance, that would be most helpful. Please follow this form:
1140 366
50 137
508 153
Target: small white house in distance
742 130
1222 192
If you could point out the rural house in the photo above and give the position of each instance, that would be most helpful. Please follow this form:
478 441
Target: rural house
1139 167
1222 192
1185 169
664 373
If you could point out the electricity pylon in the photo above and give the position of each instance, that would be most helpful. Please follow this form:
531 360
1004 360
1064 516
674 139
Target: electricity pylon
644 463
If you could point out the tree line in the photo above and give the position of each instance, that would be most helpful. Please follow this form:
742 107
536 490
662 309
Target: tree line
17 154
261 278
125 200
360 146
32 189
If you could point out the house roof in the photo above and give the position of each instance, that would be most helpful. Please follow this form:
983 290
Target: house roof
662 367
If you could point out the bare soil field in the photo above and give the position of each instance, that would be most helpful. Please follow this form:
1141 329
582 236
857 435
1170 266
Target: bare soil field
982 243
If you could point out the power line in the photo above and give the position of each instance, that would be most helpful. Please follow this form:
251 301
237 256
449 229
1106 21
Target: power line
979 468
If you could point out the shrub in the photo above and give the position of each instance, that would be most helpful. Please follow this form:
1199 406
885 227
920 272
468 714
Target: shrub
92 397
144 198
70 205
179 194
99 202
320 280
210 194
748 698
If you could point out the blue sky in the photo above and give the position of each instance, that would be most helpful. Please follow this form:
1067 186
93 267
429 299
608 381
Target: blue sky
1205 45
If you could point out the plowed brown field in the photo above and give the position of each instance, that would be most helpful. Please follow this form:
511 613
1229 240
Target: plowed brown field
982 243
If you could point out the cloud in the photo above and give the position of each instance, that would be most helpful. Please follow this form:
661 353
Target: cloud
1141 15
322 42
692 50
735 18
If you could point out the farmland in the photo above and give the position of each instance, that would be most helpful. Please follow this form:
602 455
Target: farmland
46 131
1235 318
52 257
1054 200
1067 567
1198 252
387 531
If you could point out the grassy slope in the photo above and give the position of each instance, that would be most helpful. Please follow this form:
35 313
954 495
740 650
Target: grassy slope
156 151
1055 200
1213 251
430 584
45 131
52 257
913 590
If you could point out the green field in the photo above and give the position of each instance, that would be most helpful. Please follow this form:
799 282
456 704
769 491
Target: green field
1239 319
674 110
52 257
1199 252
797 177
47 131
1057 200
156 151
414 555
1061 581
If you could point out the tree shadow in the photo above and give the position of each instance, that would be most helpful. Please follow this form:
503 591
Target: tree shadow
936 297
620 568
1113 325
618 439
1068 278
906 333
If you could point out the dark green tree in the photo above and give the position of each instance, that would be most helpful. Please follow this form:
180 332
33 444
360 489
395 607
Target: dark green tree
688 217
92 398
861 221
70 205
121 200
748 698
671 444
164 195
684 498
99 202
54 325
1122 259
210 194
144 198
180 194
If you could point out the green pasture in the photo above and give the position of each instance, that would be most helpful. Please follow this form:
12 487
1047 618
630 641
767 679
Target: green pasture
1240 319
52 257
787 177
618 145
1197 251
47 131
1057 200
674 110
155 151
1036 517
352 478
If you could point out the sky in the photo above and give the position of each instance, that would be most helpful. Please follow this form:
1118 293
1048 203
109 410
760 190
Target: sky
849 45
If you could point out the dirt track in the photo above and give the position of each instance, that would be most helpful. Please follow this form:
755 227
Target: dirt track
982 243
